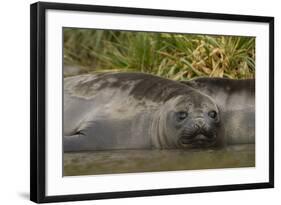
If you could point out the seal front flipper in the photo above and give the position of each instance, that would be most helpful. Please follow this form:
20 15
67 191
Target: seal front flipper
77 142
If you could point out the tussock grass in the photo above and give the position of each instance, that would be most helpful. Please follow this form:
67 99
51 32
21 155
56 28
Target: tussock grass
173 56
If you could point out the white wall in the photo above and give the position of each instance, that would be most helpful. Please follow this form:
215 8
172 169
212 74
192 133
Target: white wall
14 109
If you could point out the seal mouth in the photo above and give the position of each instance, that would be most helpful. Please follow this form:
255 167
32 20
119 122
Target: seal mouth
197 141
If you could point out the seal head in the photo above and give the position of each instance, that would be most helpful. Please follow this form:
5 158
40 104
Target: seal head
187 121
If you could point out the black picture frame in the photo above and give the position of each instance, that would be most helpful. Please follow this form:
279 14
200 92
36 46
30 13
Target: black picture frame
38 101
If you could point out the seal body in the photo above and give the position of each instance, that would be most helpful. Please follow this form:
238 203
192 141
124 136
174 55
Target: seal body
236 102
136 111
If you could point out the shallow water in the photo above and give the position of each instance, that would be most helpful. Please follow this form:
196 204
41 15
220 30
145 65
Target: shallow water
128 161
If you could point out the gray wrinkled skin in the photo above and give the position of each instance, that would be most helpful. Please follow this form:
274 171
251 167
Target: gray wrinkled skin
236 102
135 111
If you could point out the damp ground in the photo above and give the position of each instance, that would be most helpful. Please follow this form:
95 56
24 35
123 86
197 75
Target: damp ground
132 161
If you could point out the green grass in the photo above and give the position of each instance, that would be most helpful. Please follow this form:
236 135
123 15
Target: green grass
173 56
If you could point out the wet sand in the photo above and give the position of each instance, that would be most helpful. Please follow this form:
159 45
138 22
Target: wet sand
132 161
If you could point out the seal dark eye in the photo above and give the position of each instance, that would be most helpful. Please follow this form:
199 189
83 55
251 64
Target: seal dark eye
182 115
212 114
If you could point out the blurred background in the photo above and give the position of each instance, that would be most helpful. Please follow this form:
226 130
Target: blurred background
173 56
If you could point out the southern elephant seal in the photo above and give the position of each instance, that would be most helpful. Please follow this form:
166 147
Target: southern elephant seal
136 111
236 102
